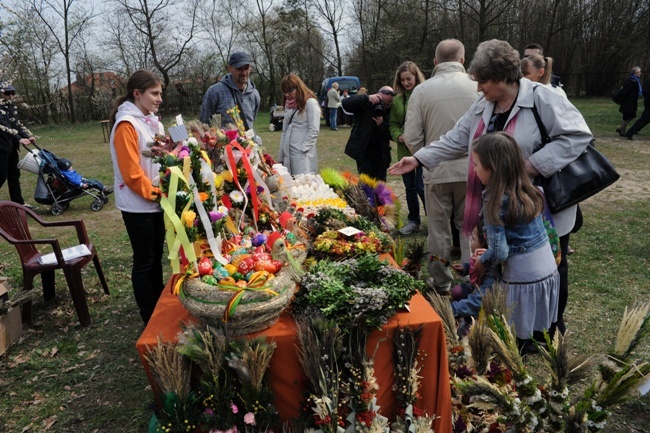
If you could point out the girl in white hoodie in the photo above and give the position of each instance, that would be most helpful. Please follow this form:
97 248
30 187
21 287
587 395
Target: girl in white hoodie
134 124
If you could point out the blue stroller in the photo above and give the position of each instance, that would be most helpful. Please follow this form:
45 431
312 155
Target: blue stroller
52 188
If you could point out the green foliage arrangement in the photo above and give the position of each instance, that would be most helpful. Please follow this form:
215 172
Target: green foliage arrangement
362 291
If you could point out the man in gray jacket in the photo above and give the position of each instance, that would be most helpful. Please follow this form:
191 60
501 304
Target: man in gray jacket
434 108
234 89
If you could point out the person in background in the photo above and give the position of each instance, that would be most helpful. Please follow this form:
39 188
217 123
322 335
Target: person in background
12 134
362 91
467 298
516 237
506 105
134 124
333 102
234 90
536 48
369 142
645 116
346 118
407 77
632 89
65 165
300 127
434 108
539 69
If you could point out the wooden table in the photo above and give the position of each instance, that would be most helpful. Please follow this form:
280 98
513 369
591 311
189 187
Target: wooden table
106 130
285 372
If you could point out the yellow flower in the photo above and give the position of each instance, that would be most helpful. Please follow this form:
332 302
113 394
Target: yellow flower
218 181
188 218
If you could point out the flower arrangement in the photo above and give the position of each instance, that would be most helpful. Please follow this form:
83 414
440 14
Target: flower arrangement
494 391
232 394
360 388
358 292
369 197
410 418
321 345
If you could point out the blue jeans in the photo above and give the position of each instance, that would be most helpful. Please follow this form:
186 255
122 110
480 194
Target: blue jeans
414 185
333 114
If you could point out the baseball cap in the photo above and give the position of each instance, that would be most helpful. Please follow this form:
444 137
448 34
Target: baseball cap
239 59
8 88
64 164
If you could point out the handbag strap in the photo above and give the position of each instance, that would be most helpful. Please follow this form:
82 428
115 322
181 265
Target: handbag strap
542 129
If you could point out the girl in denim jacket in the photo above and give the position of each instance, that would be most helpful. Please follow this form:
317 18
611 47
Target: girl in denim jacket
516 236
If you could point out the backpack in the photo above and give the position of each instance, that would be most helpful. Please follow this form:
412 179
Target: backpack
617 96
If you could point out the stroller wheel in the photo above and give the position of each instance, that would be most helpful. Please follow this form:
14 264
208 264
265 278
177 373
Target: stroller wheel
97 205
56 210
65 205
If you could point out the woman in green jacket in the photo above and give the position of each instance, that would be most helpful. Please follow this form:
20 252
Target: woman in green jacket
408 76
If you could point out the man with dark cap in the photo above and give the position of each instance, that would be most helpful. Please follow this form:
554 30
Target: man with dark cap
12 134
234 89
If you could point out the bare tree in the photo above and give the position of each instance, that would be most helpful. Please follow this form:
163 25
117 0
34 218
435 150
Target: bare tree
262 35
167 35
333 12
65 21
221 21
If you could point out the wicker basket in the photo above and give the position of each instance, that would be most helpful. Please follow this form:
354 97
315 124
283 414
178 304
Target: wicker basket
256 311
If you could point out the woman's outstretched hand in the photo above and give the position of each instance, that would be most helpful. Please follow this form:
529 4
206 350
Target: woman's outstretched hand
405 165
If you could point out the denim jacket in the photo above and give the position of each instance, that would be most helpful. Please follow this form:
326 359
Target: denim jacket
505 241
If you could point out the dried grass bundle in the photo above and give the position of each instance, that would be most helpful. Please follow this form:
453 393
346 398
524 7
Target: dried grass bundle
251 358
442 306
504 343
479 340
358 200
320 342
623 384
170 369
205 346
634 326
565 369
486 395
494 301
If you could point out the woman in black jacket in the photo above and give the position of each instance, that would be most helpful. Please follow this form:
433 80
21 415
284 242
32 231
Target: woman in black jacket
631 90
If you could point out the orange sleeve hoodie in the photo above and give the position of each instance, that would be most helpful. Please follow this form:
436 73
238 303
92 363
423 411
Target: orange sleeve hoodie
128 160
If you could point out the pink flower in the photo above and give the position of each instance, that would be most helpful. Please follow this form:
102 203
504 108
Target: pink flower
234 408
216 216
249 418
185 151
209 411
232 134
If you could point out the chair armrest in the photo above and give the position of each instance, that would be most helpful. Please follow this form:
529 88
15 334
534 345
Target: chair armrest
52 242
82 235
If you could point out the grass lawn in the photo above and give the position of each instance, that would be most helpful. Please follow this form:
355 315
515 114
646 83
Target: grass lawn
60 378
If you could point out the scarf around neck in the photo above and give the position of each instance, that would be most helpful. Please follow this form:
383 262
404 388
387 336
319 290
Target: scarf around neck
291 103
638 81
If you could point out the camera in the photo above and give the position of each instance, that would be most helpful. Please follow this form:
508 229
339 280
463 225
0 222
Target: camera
378 110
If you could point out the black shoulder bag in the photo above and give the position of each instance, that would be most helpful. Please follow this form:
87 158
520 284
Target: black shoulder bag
587 175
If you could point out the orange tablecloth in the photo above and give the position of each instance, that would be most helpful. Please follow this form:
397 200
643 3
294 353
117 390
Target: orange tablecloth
285 372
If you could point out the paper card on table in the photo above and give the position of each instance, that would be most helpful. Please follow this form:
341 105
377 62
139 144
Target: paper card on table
179 119
349 231
178 133
68 254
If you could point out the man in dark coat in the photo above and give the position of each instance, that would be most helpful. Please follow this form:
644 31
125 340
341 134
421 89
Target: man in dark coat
12 134
369 142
